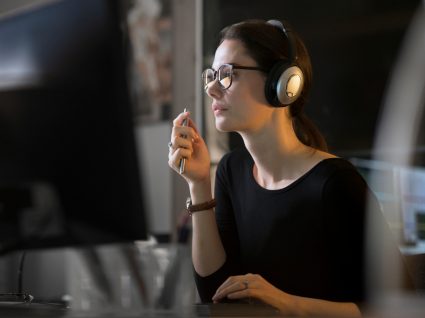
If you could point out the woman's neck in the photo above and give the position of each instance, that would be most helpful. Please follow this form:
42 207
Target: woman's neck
279 156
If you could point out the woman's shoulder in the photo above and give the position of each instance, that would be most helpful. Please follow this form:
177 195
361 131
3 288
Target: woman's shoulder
331 169
322 164
339 173
332 162
337 166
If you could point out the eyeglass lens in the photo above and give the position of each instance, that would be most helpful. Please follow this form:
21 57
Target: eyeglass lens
224 74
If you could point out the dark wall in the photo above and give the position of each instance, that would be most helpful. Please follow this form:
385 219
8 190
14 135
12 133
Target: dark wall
353 47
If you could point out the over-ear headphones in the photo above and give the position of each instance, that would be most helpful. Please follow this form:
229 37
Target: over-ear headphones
285 80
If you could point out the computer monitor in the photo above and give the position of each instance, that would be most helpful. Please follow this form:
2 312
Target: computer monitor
69 171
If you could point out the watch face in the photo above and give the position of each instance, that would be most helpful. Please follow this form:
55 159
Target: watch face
188 202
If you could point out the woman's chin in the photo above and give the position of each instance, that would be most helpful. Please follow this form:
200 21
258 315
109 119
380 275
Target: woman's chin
222 126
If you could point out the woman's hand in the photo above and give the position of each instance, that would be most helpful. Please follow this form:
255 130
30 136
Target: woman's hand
254 286
192 148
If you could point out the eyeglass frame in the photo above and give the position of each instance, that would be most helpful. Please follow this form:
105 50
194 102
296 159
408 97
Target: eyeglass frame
233 66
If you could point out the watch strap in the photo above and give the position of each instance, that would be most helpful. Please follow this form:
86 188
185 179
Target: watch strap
190 208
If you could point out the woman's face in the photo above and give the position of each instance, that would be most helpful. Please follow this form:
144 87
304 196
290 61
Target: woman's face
243 106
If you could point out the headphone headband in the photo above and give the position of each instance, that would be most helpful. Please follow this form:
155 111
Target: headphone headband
292 48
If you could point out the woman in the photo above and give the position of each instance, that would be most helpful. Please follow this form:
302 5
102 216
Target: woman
287 228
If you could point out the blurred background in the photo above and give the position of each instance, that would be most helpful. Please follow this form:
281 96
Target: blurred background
367 99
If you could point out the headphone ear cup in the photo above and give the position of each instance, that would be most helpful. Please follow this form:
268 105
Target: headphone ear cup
284 84
272 82
290 85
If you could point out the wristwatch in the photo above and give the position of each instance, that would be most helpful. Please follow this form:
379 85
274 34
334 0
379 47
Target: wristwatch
190 208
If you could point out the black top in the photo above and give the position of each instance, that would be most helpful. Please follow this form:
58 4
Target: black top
306 239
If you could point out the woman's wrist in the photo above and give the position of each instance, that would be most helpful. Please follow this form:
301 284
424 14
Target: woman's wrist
200 191
290 304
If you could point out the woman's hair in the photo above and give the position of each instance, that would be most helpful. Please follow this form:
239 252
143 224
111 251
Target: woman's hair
267 44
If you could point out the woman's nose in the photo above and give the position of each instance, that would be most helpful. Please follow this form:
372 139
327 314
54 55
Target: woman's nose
213 89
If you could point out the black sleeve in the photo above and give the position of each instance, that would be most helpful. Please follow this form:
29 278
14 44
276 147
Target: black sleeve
351 208
345 197
208 285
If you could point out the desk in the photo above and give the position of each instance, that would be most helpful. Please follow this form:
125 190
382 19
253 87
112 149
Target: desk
410 307
199 310
234 310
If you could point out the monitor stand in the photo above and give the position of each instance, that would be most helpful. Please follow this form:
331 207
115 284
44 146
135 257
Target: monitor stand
15 298
19 297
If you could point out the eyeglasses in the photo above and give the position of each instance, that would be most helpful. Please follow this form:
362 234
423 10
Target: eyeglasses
224 74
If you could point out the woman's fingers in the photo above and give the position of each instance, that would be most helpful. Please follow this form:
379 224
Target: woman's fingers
175 157
193 125
188 132
185 142
231 285
180 142
237 287
182 139
178 121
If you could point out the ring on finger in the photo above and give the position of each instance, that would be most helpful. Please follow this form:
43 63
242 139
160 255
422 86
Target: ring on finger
170 145
246 284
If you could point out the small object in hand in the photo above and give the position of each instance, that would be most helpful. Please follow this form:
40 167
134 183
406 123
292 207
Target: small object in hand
183 160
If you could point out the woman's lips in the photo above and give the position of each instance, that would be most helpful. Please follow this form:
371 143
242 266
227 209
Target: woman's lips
218 109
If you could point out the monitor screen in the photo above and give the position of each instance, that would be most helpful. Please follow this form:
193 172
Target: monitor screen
69 172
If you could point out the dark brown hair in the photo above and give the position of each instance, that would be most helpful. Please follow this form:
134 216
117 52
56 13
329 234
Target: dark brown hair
267 44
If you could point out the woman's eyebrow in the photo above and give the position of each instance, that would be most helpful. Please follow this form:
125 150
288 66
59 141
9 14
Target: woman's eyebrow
227 63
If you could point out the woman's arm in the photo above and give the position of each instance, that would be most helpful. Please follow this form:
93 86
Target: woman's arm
208 254
304 306
256 287
207 250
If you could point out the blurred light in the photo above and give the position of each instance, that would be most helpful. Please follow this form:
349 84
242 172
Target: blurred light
395 143
18 69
